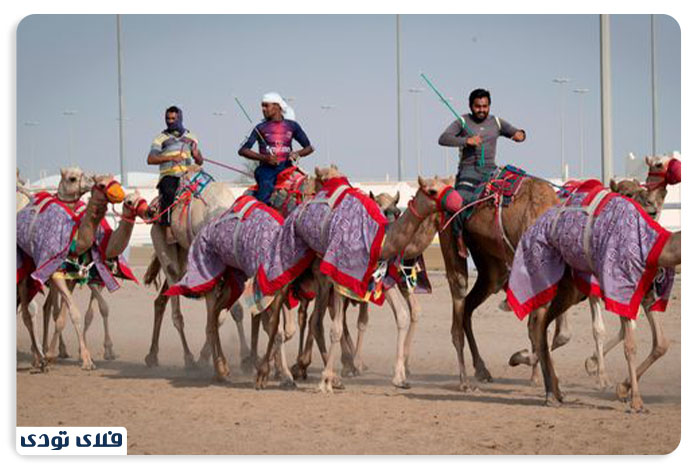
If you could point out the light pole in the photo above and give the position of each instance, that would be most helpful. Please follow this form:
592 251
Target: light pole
398 98
69 114
653 83
605 96
32 147
562 82
445 150
327 108
581 92
121 124
416 92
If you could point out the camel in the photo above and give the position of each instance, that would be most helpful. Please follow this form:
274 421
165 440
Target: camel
72 186
187 220
23 194
650 196
491 256
397 238
352 359
597 247
133 206
105 190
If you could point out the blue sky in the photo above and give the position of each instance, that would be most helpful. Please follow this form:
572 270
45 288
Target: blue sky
200 63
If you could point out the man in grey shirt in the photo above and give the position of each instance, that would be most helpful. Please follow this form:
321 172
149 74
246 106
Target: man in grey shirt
476 141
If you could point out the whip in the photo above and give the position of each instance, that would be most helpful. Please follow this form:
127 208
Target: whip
456 114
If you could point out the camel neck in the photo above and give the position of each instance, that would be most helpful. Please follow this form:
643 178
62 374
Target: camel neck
423 237
400 234
94 213
120 237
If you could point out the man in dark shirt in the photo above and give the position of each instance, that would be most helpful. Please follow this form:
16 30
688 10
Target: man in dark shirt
274 136
477 140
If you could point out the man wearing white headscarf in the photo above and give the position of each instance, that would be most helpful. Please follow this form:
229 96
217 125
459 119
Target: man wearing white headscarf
274 136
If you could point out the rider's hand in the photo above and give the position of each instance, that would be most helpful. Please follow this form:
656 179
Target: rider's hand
294 156
519 136
474 140
272 159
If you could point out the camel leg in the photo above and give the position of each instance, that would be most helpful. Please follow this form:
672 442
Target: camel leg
302 322
97 296
212 331
251 361
69 304
541 323
49 307
38 358
401 317
336 311
279 358
363 318
414 310
263 368
457 278
160 306
561 335
660 345
316 330
238 315
178 319
598 333
348 348
630 353
289 324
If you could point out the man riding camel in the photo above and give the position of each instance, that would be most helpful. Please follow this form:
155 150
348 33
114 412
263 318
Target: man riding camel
477 141
174 149
274 136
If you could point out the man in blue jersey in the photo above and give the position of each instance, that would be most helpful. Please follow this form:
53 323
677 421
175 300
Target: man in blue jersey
274 136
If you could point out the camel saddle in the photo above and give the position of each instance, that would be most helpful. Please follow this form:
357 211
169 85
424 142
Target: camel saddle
501 184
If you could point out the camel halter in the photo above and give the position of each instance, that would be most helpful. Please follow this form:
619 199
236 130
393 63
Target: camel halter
438 198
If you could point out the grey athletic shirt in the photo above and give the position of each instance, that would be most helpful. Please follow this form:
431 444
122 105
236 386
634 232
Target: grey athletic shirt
489 129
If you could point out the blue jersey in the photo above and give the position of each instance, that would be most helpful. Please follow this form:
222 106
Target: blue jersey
278 135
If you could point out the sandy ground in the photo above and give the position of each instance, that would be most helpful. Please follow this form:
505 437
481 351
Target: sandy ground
168 410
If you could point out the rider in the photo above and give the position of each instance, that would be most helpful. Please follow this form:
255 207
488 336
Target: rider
174 149
479 136
274 136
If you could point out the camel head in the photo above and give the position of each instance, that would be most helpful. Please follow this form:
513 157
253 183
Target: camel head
435 195
324 174
73 184
388 204
108 187
633 189
134 205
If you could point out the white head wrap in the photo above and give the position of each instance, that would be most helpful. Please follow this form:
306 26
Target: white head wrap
275 98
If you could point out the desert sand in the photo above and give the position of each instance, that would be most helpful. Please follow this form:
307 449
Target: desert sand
168 410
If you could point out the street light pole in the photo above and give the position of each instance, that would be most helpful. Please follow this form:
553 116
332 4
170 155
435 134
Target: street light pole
581 92
398 97
416 92
70 113
605 81
562 82
653 83
121 132
327 108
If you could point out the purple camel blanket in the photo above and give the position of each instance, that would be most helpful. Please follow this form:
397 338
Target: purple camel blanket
620 247
242 243
345 227
45 231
